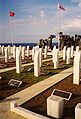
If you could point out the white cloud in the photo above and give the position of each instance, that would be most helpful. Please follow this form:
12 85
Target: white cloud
79 5
30 16
75 23
40 18
72 26
34 27
76 1
71 20
42 14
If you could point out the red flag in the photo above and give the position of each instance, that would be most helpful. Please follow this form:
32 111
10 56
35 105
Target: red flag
60 6
12 14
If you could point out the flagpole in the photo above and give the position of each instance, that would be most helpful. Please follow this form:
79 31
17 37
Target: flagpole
60 7
11 33
58 25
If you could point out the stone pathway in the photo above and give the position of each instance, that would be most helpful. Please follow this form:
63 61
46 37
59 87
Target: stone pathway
29 93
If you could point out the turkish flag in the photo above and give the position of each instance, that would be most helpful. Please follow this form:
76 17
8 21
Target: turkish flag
12 14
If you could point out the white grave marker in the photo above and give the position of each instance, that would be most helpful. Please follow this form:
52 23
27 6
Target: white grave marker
53 54
56 58
33 53
14 52
20 48
36 48
77 48
68 56
18 61
40 56
9 50
54 47
27 51
45 52
0 48
64 53
3 50
76 70
23 52
36 65
6 54
72 51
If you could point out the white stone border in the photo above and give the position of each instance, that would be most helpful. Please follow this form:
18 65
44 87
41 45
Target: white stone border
24 112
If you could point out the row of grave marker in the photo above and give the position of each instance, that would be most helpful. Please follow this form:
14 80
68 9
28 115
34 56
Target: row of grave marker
7 51
37 56
38 59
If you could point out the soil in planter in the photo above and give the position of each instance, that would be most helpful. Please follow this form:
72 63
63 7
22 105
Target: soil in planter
38 104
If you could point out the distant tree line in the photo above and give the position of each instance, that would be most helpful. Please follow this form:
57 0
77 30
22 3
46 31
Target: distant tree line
65 40
68 41
46 42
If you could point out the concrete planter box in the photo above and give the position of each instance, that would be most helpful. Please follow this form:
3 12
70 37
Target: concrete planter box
78 111
55 106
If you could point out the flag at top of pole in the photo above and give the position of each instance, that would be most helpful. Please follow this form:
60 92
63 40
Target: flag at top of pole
61 6
12 14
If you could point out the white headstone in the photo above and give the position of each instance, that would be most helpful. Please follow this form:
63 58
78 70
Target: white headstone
9 50
56 58
20 48
14 52
64 53
36 48
18 61
68 56
27 51
54 47
53 54
40 56
6 54
45 52
33 53
3 50
76 70
36 64
72 51
77 48
0 48
23 52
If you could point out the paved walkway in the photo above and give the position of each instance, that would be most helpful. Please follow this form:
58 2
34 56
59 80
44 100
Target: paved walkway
29 93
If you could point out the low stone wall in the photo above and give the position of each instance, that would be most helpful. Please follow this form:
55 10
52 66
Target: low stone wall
24 112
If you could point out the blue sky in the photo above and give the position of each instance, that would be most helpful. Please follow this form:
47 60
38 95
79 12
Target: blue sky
36 19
